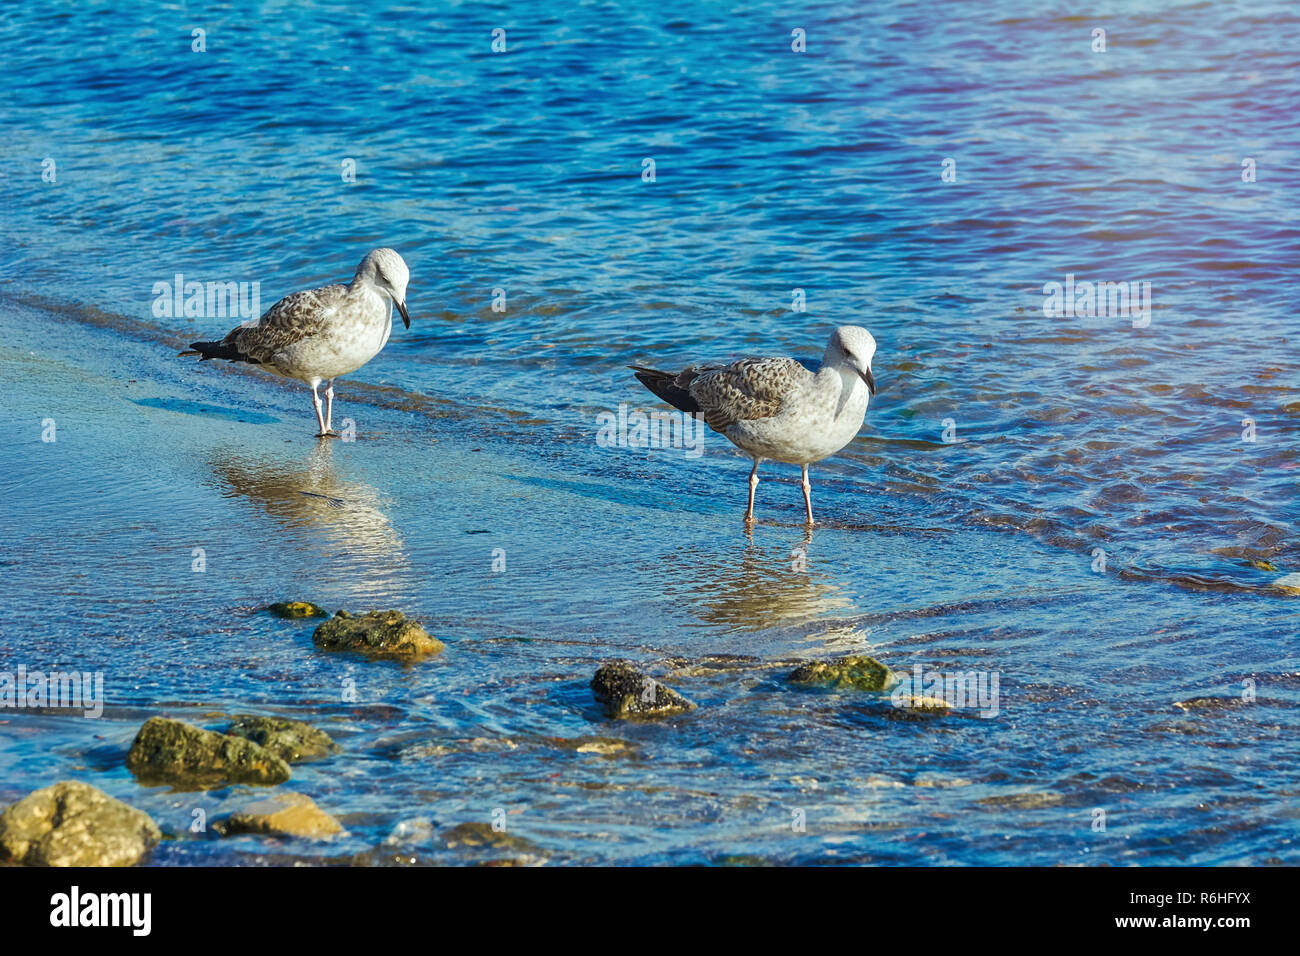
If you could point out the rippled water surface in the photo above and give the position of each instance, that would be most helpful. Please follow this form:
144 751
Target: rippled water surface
1008 454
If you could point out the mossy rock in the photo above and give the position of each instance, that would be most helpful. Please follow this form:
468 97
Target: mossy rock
190 758
75 824
624 691
856 672
291 740
386 634
295 610
284 813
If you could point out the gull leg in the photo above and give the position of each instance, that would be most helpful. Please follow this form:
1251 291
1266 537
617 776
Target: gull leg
329 405
320 419
753 484
807 495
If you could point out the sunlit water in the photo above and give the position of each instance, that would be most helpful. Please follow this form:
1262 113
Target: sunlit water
1069 440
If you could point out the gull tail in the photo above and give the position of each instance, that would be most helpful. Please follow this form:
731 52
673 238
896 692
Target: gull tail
211 350
664 384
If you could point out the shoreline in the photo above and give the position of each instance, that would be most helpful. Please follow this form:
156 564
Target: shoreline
595 569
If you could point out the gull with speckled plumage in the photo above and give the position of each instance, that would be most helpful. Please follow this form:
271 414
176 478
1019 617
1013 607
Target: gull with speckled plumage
775 408
319 334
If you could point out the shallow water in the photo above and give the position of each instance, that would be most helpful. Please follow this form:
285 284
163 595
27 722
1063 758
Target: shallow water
774 171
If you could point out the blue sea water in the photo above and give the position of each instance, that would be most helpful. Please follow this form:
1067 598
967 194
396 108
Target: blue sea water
1095 511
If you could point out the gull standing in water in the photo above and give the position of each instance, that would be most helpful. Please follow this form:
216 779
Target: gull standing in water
319 334
774 407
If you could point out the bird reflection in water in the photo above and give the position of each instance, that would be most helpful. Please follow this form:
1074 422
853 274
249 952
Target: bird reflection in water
776 584
341 520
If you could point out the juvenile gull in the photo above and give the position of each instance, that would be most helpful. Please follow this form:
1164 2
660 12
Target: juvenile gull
319 334
774 407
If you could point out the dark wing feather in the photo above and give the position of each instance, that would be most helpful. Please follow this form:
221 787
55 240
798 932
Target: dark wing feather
293 318
725 394
664 384
744 391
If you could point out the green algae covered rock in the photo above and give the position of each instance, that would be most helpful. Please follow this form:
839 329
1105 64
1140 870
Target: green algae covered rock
291 740
624 691
187 757
388 634
856 672
294 610
75 824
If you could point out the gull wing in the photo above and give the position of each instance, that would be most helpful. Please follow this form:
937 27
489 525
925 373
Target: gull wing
292 319
747 390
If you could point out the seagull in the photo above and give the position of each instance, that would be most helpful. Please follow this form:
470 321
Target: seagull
319 334
775 408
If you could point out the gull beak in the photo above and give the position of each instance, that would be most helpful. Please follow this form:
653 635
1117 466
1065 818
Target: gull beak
869 379
406 316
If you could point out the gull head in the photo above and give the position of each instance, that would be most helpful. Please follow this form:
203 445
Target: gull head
384 269
852 348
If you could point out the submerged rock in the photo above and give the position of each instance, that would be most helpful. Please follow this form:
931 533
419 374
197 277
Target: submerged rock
1288 583
711 665
294 610
171 751
75 824
856 672
1210 704
284 813
604 746
482 835
410 832
1033 800
290 740
915 706
624 691
378 634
